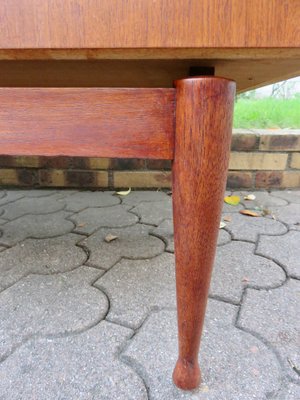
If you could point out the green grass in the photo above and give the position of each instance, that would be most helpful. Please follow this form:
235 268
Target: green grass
267 113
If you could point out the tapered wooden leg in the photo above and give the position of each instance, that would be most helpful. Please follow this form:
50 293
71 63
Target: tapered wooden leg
204 107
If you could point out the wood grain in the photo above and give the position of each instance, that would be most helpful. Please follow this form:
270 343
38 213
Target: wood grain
204 108
135 123
254 42
55 24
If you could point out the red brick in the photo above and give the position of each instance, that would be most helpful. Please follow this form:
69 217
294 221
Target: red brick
142 179
285 141
237 180
268 179
159 164
244 142
127 163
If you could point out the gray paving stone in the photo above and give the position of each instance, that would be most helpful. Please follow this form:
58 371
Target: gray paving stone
81 200
292 196
284 249
2 248
79 367
157 211
235 365
32 205
141 196
62 193
49 305
273 315
237 267
2 193
144 284
35 226
132 242
10 195
290 391
166 232
228 209
154 212
289 214
243 227
91 219
263 199
223 238
40 256
36 192
151 283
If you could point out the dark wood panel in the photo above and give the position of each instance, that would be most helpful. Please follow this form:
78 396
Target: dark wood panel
91 122
141 73
52 24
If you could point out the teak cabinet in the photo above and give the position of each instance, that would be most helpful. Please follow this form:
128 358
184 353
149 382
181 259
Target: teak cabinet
95 78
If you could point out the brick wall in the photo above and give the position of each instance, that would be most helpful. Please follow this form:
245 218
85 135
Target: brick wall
259 159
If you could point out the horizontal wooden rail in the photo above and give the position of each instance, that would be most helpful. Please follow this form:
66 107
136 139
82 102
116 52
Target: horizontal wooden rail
92 122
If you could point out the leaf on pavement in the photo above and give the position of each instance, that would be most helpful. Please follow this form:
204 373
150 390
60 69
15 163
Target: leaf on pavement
250 213
109 238
250 197
124 192
232 200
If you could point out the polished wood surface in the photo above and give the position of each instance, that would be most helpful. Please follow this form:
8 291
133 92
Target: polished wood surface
145 43
110 24
204 108
254 42
87 122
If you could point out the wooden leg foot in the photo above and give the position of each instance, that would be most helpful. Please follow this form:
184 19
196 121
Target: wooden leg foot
187 375
204 108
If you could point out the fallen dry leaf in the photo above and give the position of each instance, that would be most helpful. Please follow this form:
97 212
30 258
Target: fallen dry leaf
250 213
222 224
227 218
250 197
204 389
124 192
245 280
81 225
232 200
109 238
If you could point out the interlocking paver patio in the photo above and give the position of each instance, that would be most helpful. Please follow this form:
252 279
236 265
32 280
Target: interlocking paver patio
34 205
249 228
91 219
276 321
285 249
80 200
236 365
130 242
43 256
262 199
35 226
82 318
236 267
290 215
